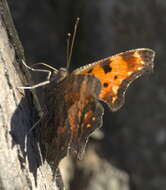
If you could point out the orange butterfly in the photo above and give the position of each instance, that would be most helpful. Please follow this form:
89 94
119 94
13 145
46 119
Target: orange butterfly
76 94
72 99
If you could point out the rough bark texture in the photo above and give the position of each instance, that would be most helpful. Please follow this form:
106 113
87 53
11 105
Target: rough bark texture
135 137
18 169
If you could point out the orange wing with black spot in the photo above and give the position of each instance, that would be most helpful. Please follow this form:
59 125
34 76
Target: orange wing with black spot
117 72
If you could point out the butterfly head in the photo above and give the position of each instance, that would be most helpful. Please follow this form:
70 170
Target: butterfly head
60 75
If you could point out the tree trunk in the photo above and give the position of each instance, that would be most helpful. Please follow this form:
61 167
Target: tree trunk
19 169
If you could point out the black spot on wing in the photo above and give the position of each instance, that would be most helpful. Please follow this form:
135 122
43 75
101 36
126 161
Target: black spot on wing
105 84
106 66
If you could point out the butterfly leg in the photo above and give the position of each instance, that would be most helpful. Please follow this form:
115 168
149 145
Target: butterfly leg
26 141
30 130
35 86
37 70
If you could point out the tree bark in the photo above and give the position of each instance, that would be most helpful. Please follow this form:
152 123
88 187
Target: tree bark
19 169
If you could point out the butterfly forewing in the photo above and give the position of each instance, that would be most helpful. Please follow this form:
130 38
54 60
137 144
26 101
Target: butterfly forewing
117 72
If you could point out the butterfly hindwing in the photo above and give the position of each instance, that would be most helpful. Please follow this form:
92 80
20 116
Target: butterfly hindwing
85 113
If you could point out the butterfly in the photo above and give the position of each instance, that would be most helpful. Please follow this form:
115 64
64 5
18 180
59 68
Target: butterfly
72 99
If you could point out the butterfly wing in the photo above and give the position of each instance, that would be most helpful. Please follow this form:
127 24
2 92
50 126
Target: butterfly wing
74 113
117 72
85 112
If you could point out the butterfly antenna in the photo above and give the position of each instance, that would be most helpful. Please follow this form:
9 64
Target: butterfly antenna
72 43
68 48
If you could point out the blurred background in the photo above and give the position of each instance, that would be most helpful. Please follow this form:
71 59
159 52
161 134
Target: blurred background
130 150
